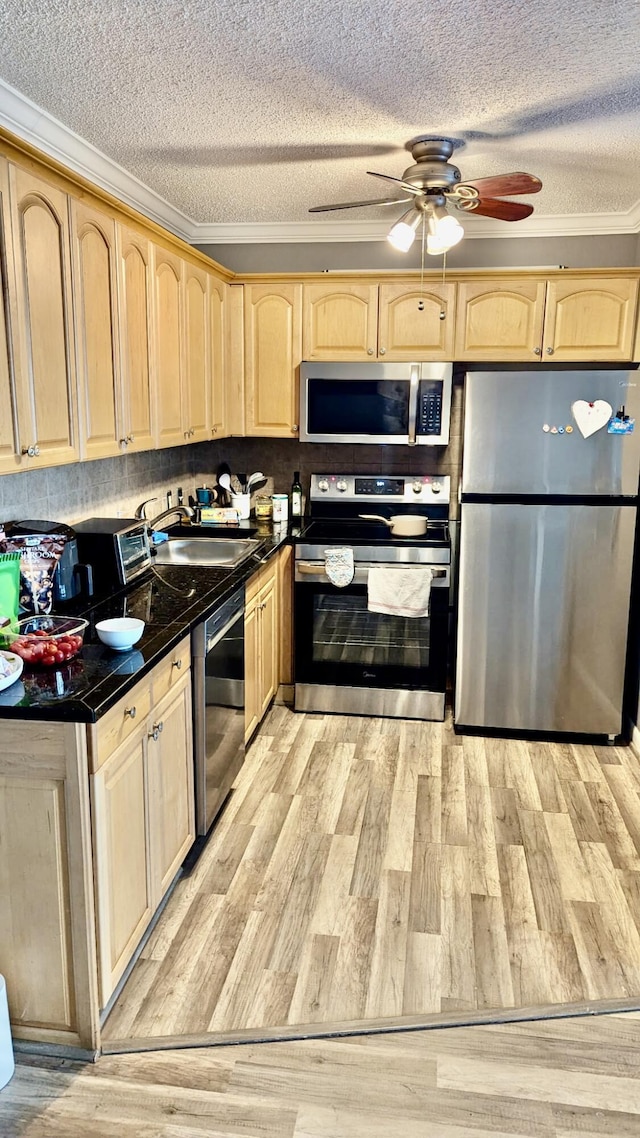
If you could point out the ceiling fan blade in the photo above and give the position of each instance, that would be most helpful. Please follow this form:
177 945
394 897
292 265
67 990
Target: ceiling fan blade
507 185
405 185
504 211
354 205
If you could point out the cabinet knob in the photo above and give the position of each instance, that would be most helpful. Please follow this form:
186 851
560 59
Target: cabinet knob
214 430
131 712
156 731
294 429
537 351
36 450
176 664
383 351
549 351
369 351
32 451
129 438
123 442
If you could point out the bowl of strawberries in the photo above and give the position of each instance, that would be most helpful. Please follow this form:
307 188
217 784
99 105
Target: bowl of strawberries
46 641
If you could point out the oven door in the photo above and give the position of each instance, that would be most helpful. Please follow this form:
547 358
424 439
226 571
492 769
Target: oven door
339 643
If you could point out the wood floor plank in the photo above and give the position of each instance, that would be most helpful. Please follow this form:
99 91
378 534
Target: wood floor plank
453 797
543 873
506 824
458 963
386 976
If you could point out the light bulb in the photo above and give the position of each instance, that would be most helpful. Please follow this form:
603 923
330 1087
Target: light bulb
403 233
444 232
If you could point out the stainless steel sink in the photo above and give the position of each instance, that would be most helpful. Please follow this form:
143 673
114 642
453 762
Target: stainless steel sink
223 552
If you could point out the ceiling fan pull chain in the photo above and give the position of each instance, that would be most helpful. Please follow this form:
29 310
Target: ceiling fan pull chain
443 315
424 242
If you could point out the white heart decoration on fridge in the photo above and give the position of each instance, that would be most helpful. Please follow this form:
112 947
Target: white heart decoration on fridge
591 417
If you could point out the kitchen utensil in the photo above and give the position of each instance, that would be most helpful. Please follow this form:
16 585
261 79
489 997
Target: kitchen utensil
401 525
254 478
120 632
47 641
225 481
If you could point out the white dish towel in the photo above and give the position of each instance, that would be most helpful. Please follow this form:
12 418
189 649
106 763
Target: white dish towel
338 565
398 591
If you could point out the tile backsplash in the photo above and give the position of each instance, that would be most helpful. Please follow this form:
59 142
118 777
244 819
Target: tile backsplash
113 487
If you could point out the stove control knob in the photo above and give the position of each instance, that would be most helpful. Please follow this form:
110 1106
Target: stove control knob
436 487
323 485
416 487
341 485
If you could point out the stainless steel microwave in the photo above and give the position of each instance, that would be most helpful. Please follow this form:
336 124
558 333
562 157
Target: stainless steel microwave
375 403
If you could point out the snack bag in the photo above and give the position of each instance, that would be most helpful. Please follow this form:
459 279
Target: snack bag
39 556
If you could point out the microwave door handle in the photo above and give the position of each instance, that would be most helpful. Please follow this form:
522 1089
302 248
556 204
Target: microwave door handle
414 387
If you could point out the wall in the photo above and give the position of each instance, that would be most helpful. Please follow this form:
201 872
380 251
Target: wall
611 251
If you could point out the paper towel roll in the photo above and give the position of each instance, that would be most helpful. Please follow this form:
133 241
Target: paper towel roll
7 1062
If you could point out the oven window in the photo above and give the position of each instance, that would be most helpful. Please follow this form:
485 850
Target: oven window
345 632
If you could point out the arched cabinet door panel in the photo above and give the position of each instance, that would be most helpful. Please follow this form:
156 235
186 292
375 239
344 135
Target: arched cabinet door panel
168 340
43 331
134 310
340 321
272 358
500 321
590 319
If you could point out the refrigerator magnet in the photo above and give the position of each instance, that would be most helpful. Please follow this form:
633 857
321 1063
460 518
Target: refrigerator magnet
591 417
621 427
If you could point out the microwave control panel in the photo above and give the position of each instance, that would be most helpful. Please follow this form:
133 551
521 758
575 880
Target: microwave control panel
429 420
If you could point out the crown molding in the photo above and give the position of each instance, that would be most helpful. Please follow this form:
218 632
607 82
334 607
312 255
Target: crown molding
35 126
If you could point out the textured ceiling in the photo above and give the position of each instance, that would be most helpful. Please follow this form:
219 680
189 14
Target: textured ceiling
253 110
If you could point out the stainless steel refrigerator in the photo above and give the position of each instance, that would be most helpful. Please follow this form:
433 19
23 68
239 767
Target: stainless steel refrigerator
547 531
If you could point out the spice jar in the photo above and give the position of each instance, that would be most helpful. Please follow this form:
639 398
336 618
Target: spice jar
263 507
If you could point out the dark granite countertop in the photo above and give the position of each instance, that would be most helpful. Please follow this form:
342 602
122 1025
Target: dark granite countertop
171 600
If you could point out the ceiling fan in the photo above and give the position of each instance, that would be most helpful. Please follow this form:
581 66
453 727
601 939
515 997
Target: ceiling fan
433 186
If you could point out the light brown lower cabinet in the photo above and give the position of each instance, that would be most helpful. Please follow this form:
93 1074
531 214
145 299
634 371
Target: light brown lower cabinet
260 645
143 827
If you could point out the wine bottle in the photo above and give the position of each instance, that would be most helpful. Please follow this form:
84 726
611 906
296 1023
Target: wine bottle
296 496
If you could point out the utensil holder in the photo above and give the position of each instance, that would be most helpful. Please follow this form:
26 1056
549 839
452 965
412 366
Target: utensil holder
242 503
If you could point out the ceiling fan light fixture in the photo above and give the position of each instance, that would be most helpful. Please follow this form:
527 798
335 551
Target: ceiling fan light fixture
403 233
443 231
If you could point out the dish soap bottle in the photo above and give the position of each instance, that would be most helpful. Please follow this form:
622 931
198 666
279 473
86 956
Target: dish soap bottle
296 496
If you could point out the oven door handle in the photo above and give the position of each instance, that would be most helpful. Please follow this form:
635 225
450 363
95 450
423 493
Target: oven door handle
317 570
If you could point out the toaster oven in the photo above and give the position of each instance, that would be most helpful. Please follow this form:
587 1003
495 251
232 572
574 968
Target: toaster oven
118 549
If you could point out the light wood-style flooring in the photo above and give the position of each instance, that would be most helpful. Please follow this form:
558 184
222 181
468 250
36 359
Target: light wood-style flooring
369 869
569 1078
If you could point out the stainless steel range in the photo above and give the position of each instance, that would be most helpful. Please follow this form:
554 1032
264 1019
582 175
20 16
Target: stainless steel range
351 660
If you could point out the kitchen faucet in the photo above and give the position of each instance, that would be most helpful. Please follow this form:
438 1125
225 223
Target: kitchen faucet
177 511
140 510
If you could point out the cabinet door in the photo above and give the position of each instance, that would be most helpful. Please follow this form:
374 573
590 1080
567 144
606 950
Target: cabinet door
340 322
415 324
272 356
500 321
44 358
9 431
122 871
590 319
196 398
268 643
252 702
170 781
217 355
96 327
168 347
134 284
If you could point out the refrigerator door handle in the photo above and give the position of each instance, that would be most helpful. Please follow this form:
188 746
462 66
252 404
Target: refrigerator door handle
414 387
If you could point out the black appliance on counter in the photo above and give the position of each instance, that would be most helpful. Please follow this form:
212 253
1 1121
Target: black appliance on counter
72 577
351 660
118 549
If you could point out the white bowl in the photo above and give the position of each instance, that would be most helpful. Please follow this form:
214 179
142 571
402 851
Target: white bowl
121 632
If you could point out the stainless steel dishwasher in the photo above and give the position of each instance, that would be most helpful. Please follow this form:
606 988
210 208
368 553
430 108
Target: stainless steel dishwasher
218 706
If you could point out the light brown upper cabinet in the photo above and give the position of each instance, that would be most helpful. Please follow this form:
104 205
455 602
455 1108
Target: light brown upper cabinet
340 321
590 319
217 355
564 319
9 436
45 373
168 341
395 321
134 297
273 346
415 323
93 242
500 321
195 403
